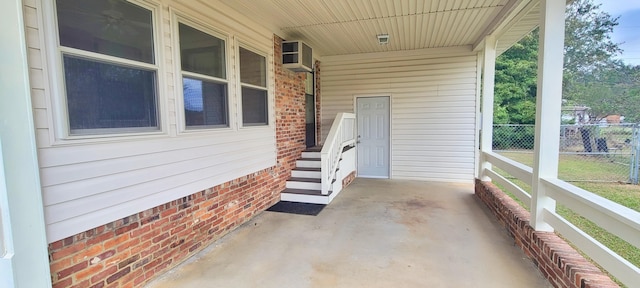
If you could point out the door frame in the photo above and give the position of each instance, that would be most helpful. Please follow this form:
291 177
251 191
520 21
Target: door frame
315 110
355 111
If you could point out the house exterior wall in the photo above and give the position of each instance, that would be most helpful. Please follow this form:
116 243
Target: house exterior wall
89 182
290 115
433 98
120 210
132 250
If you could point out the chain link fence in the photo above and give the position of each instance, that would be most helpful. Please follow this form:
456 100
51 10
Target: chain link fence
590 153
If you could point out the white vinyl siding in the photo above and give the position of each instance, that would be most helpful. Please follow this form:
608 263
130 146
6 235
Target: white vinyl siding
433 94
90 182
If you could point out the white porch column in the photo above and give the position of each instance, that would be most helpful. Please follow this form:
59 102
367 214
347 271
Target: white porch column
488 84
24 260
548 108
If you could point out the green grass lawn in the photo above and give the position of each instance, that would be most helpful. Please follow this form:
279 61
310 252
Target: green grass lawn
581 167
573 167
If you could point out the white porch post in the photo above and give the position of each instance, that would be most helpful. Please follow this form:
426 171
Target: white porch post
488 84
24 261
548 108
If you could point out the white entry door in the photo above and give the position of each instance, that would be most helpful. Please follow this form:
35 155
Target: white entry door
373 136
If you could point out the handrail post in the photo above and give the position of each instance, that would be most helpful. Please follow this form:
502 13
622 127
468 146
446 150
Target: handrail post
324 171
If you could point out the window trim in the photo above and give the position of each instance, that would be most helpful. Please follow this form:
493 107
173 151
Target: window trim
178 17
57 98
268 58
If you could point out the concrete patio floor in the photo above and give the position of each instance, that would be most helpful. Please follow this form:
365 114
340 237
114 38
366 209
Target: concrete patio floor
376 233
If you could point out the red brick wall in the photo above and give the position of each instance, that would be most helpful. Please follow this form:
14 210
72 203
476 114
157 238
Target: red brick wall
290 112
562 265
131 251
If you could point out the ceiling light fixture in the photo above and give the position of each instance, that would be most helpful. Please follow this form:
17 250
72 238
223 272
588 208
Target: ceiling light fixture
383 39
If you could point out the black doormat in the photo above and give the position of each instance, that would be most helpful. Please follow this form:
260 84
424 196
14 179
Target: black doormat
297 208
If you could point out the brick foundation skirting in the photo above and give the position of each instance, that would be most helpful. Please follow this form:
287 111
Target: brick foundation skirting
562 265
130 251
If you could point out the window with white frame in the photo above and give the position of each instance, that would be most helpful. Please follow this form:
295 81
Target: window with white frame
204 78
253 82
109 66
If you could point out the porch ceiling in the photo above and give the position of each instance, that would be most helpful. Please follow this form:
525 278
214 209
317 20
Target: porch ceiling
335 27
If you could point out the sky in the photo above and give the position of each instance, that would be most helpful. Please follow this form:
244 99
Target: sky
628 29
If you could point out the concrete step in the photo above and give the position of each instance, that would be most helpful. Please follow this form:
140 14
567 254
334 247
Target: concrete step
301 172
313 149
303 191
304 183
308 163
311 154
305 196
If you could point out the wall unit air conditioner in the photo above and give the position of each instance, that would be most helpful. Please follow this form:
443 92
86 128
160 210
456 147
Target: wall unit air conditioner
297 56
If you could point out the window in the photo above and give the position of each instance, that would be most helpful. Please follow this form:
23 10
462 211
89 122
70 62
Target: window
109 70
253 80
204 82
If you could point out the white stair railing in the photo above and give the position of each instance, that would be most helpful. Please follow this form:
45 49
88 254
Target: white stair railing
342 134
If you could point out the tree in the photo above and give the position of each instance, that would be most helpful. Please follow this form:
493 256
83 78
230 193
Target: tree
515 88
589 50
588 45
589 69
618 90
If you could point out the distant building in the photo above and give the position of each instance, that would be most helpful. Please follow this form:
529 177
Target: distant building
577 113
614 119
